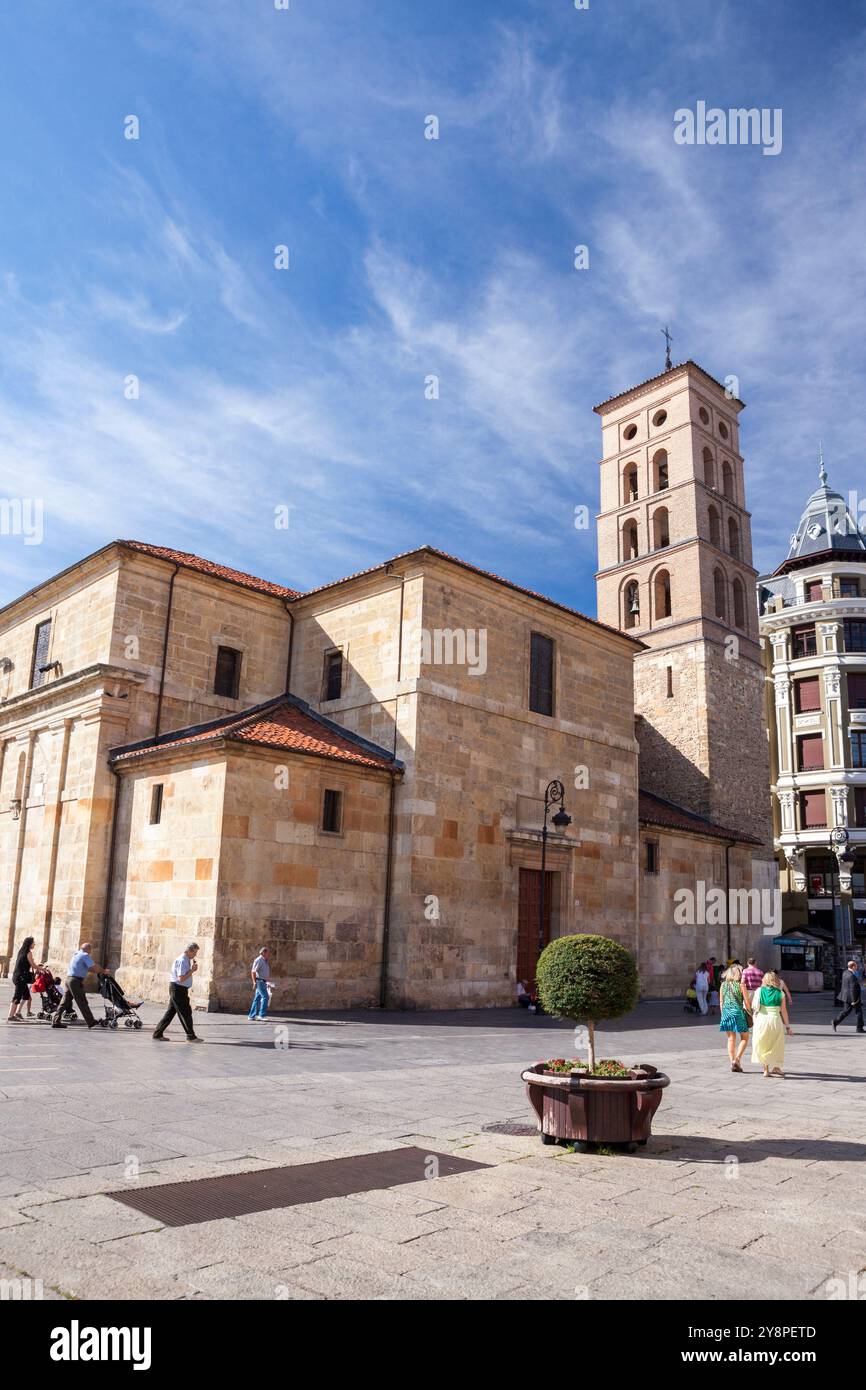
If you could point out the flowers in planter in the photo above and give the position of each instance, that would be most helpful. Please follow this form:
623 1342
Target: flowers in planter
607 1069
562 1066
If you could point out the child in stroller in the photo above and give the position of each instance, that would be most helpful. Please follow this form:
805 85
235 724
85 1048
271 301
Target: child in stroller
117 1005
691 1005
48 987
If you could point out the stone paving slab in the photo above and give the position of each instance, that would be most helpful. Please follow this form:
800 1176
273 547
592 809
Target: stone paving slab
747 1189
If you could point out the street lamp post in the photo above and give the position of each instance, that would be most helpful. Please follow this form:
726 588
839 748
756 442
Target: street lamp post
553 796
839 841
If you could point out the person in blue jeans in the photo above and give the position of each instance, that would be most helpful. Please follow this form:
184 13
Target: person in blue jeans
260 974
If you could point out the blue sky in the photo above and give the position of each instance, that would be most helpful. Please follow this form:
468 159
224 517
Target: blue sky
409 257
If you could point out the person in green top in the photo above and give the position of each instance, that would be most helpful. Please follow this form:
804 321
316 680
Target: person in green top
735 1017
771 1026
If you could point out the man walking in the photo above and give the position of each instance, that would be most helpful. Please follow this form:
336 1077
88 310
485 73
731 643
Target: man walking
850 994
178 991
260 974
79 968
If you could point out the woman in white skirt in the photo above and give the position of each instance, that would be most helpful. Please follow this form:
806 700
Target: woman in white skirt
770 1025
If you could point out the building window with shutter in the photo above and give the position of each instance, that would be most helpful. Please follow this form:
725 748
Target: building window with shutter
542 657
811 753
858 748
332 811
814 591
856 691
156 804
804 643
813 810
228 673
332 677
41 643
807 695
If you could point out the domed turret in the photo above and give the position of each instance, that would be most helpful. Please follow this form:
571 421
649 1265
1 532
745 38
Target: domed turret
826 524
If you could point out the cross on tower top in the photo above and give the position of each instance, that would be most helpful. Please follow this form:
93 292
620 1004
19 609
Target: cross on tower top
668 340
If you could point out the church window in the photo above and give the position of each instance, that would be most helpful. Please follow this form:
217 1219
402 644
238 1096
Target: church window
719 594
803 641
723 429
332 677
156 803
651 856
631 616
715 527
332 811
629 432
541 671
704 415
807 695
670 680
855 635
739 604
228 673
41 644
662 595
733 537
727 479
709 468
661 531
810 753
659 418
629 540
660 471
813 810
629 483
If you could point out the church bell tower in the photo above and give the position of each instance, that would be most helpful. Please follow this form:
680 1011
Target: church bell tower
675 571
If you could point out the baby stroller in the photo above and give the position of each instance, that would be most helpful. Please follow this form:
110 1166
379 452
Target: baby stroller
47 986
691 1005
117 1005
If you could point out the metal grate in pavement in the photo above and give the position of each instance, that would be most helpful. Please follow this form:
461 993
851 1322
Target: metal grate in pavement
237 1194
511 1127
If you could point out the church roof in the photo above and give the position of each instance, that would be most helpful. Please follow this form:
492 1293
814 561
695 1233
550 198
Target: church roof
654 380
187 560
654 810
825 528
286 723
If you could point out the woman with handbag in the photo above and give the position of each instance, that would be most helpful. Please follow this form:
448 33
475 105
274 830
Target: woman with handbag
770 1026
23 975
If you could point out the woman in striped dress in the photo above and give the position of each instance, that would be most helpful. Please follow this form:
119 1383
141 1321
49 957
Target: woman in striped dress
735 1019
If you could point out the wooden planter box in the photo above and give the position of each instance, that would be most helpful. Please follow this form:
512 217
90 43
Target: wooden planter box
594 1110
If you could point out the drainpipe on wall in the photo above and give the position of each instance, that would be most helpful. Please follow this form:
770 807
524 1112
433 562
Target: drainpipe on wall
19 849
728 847
386 910
109 878
291 618
165 651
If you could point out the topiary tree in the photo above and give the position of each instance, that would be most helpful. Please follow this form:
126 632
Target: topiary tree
587 978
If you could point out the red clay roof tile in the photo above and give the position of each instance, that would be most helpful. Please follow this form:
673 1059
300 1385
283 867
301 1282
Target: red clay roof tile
188 561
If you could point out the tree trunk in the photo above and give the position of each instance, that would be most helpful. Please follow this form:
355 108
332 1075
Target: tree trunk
591 1046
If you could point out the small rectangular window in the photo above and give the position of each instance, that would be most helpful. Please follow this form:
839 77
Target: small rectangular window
813 810
541 673
849 588
651 859
811 753
670 682
804 641
858 749
156 804
856 691
41 643
332 684
855 636
332 811
807 695
228 673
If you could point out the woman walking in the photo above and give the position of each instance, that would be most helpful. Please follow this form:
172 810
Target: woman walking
735 1019
23 975
770 1025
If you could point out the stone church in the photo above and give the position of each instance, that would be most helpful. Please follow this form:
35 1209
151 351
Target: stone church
355 774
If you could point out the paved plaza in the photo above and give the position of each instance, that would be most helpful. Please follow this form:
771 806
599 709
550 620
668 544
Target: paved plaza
748 1189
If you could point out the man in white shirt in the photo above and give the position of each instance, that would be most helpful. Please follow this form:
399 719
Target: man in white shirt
181 979
260 974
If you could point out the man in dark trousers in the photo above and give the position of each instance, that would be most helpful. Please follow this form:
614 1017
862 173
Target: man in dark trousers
181 979
79 968
850 994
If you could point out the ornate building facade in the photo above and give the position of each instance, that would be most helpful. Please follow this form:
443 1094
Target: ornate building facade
813 619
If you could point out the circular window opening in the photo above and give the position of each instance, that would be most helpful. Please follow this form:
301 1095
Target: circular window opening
629 432
660 417
723 430
704 416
